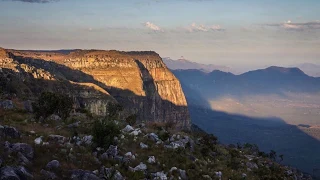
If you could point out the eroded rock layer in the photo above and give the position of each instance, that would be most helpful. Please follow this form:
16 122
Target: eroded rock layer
139 81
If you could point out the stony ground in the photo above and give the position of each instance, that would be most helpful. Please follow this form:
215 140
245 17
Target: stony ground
64 149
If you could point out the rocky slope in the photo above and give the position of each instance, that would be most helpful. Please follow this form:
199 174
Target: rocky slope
56 149
139 81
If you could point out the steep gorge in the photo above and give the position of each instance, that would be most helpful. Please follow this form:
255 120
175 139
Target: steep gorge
139 81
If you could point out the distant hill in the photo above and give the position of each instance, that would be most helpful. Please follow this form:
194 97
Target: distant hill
272 80
310 69
186 64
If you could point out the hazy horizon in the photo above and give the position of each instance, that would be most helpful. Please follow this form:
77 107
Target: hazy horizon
241 34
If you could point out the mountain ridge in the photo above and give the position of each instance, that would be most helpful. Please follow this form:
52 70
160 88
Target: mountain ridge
138 80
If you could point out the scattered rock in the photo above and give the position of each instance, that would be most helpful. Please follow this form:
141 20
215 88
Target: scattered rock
110 173
152 160
154 137
87 140
183 174
207 177
140 167
38 140
83 175
160 176
53 165
74 125
143 146
219 174
252 165
128 129
10 173
48 175
112 152
130 155
136 132
8 131
22 159
56 139
25 149
54 117
28 106
6 104
173 169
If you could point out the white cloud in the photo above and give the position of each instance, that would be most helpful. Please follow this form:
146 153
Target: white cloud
289 25
196 28
153 27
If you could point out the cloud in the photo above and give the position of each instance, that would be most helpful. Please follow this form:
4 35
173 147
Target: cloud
289 25
36 1
153 27
202 28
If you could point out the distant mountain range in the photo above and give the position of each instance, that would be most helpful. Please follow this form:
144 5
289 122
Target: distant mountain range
272 80
310 69
186 64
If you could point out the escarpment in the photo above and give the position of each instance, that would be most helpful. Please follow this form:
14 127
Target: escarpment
139 81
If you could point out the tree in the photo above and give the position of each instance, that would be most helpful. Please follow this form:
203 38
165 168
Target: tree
104 132
51 103
273 155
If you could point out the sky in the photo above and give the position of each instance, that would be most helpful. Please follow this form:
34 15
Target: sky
235 33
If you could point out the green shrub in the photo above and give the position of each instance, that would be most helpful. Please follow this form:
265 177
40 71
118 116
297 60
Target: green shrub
113 111
163 135
104 132
51 103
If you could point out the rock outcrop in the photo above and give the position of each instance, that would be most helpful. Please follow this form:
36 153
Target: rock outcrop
139 81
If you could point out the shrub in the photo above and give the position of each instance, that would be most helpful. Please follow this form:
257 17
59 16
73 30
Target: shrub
164 135
50 103
169 125
113 111
131 120
104 132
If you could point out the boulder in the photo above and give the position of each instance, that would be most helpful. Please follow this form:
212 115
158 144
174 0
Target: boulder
143 146
130 155
74 125
38 140
140 167
160 176
48 175
183 174
152 160
56 139
25 149
53 165
6 104
28 106
110 173
154 137
8 173
87 140
136 132
83 175
22 159
11 173
54 117
218 174
128 129
252 165
8 131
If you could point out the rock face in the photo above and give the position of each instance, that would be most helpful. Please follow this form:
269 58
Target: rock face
139 81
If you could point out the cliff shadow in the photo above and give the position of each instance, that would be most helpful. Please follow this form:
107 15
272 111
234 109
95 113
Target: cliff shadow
150 107
299 149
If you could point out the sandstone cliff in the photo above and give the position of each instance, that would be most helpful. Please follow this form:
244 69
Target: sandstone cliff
139 81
